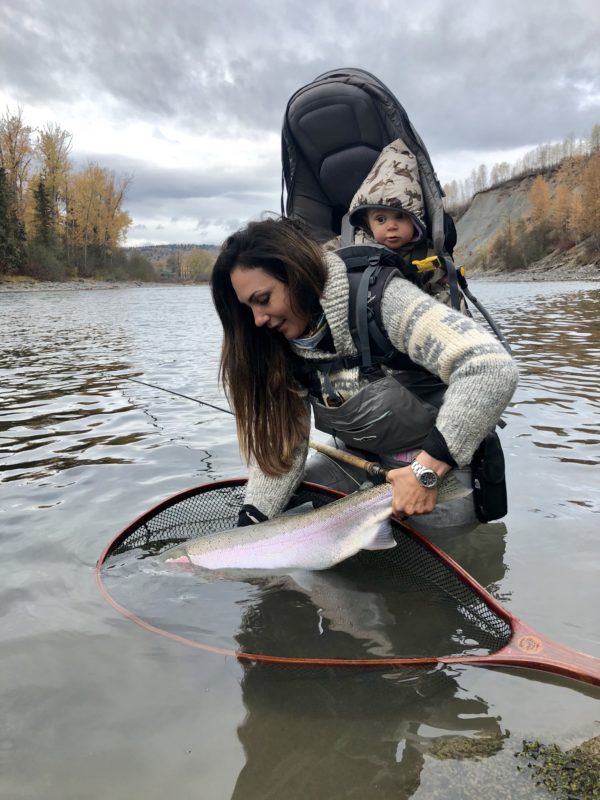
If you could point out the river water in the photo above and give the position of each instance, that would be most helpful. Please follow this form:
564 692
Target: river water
94 706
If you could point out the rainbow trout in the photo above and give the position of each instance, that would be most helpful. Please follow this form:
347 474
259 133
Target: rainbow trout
313 540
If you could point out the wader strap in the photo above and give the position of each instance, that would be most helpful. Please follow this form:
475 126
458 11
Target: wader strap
362 322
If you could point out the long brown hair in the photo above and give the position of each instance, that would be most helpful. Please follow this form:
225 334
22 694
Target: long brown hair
256 364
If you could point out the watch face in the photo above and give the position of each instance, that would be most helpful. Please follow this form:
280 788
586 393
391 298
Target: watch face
428 478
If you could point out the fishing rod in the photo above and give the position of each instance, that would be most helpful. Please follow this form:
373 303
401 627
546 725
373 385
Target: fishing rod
370 467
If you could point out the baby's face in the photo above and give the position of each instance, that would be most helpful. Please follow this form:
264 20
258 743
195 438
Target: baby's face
390 228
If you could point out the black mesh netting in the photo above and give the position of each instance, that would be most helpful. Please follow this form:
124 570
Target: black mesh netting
408 602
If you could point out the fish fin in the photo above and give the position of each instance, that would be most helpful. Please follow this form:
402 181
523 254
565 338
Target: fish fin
303 578
383 538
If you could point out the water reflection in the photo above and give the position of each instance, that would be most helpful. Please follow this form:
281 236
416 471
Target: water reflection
355 735
350 732
322 731
64 362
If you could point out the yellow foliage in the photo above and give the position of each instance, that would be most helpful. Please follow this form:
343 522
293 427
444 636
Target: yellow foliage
539 200
94 207
198 264
591 195
577 221
560 208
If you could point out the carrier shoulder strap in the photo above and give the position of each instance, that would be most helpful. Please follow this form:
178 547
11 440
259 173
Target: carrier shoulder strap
369 270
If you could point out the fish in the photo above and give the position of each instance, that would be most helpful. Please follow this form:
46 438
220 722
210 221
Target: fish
313 540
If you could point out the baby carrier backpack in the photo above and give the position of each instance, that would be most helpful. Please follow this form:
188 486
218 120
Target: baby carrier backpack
334 129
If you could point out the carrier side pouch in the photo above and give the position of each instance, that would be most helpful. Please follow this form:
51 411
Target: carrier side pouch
489 483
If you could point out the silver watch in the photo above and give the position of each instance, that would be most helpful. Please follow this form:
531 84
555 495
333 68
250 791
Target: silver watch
426 477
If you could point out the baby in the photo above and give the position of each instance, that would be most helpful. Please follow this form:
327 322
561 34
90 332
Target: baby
388 206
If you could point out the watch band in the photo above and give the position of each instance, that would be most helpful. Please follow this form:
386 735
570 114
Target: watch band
426 476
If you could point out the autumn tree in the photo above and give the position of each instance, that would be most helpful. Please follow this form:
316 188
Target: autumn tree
539 201
96 221
591 199
16 151
198 265
560 208
52 149
577 220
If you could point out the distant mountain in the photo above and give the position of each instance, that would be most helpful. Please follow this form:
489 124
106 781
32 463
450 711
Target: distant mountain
158 253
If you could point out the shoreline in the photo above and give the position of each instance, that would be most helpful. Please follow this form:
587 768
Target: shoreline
83 284
588 274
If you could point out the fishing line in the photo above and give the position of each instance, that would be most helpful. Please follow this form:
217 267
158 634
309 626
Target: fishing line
185 396
370 467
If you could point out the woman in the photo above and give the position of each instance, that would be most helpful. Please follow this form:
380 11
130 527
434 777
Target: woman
283 304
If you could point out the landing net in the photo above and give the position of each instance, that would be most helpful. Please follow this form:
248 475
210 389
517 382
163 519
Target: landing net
408 605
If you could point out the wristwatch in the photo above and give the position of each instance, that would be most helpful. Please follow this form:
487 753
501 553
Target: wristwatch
426 477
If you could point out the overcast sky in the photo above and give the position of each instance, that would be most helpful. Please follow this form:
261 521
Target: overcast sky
188 95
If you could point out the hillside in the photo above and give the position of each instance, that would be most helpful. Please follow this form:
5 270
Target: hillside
489 212
159 253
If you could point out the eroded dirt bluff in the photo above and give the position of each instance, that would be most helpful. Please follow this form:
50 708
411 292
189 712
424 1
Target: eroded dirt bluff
488 213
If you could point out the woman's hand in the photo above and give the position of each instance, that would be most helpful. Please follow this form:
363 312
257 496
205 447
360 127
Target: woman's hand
409 495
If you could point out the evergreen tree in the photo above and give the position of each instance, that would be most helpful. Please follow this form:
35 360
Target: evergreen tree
43 215
12 237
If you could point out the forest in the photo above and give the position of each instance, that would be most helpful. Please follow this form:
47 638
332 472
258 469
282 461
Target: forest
57 223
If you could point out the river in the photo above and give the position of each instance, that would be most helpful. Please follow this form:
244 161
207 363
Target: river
94 706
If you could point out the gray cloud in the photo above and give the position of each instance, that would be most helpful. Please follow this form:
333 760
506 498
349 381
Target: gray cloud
470 73
473 76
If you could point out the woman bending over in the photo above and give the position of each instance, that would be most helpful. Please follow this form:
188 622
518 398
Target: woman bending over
288 347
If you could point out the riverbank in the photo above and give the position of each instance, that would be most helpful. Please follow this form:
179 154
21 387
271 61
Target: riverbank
575 264
80 284
539 272
528 275
588 272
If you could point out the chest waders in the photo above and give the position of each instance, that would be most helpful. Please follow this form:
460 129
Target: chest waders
396 410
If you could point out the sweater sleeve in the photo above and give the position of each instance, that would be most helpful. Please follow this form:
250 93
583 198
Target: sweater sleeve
481 376
271 494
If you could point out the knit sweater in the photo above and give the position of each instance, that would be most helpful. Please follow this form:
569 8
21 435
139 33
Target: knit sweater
480 375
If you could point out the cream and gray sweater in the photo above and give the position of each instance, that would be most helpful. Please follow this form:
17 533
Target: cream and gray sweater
481 376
